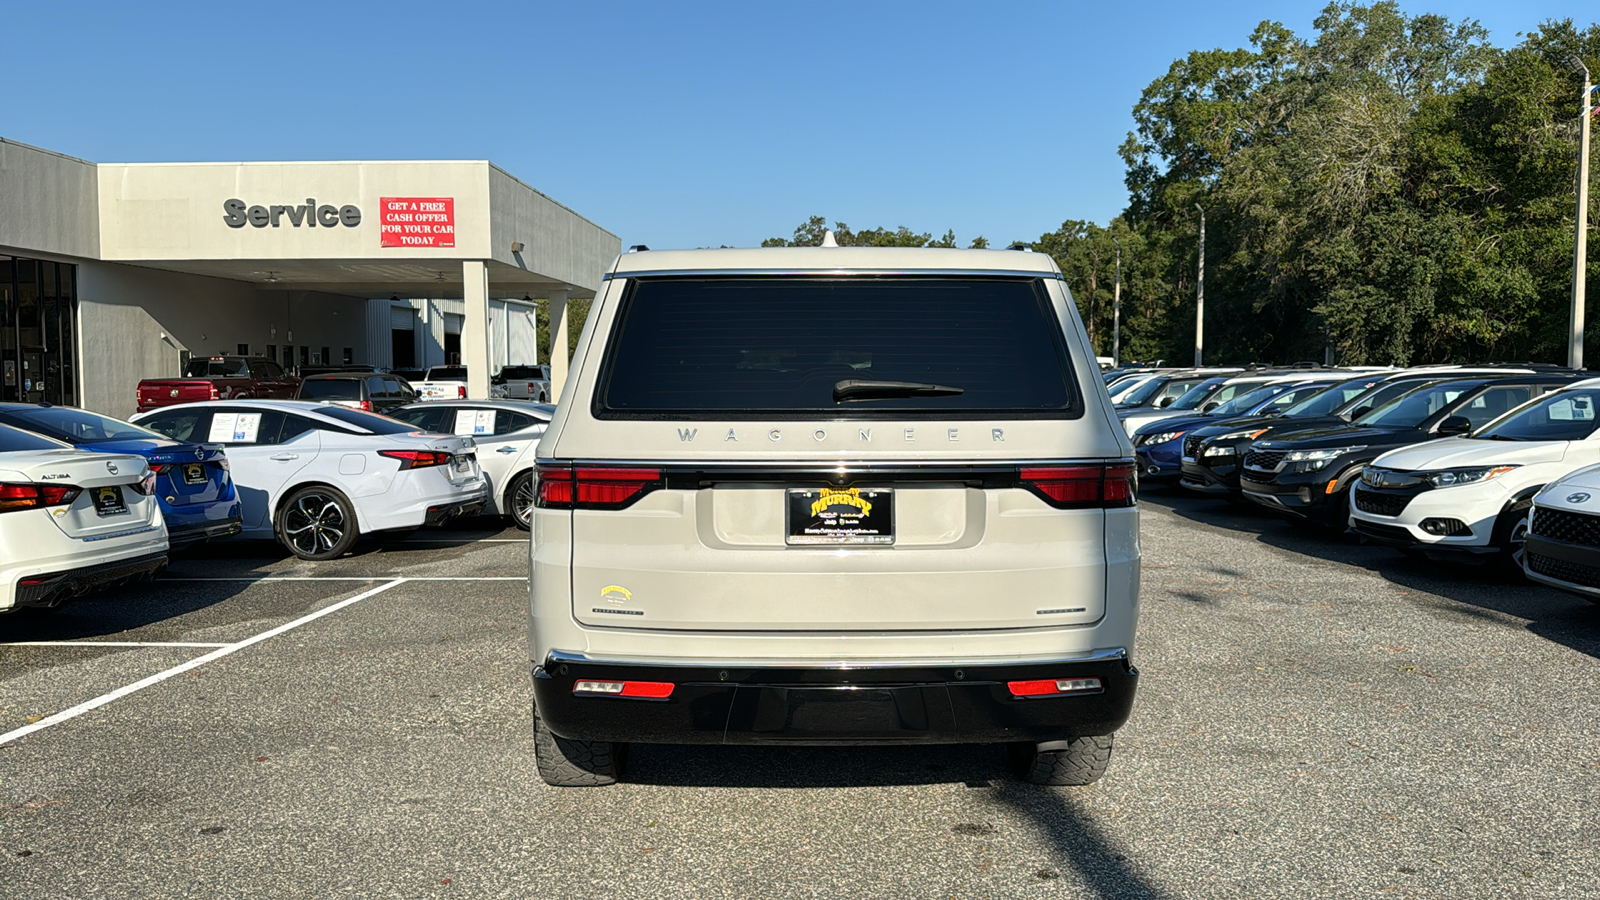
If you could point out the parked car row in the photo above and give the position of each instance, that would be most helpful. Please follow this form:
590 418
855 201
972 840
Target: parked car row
1494 464
316 477
359 387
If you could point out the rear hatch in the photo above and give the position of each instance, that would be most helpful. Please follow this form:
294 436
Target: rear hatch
109 492
839 454
462 470
191 474
176 390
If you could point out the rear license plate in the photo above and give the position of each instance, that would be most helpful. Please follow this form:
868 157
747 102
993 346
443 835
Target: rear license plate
194 473
108 501
464 464
841 516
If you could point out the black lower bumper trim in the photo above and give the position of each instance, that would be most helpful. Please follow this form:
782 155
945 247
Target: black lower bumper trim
57 588
438 515
891 705
188 534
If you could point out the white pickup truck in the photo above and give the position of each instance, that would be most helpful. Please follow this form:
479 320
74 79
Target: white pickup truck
523 383
442 383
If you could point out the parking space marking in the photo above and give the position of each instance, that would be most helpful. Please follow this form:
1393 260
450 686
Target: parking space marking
220 652
106 644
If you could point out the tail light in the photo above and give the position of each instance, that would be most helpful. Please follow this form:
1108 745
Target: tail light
594 487
1055 687
644 690
417 459
158 468
214 394
1082 486
36 496
366 405
461 392
147 484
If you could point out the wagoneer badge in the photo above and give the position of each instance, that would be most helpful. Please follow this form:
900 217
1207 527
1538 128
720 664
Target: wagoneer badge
1578 498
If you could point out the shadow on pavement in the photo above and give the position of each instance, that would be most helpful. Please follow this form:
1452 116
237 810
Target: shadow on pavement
1057 814
1471 591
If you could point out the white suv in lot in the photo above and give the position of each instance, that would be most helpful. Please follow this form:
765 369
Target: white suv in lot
1471 495
833 496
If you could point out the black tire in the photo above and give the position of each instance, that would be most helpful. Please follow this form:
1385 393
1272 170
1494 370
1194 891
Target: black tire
317 523
1510 533
568 763
519 501
1077 761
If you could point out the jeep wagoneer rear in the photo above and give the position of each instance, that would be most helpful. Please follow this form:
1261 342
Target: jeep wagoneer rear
833 496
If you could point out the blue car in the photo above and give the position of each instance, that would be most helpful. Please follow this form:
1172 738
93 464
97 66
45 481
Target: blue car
1158 446
196 492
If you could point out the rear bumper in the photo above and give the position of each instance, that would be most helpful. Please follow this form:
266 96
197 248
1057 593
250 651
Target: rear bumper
717 704
56 588
178 535
438 515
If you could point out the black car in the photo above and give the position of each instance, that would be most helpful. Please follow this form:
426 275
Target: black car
1211 453
373 393
1308 473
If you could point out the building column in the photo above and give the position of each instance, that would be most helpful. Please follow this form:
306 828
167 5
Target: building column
475 327
558 344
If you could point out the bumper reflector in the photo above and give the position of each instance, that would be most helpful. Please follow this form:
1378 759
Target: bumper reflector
1054 686
651 690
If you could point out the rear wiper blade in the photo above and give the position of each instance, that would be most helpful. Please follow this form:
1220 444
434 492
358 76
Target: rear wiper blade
866 389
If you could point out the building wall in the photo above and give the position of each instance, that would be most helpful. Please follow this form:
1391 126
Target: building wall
513 332
134 322
558 242
47 202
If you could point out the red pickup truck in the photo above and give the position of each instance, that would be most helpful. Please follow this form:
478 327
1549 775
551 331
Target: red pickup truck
220 378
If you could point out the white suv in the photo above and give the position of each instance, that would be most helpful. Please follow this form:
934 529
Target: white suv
833 495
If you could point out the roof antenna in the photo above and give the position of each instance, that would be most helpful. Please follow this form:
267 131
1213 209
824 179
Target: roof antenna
827 239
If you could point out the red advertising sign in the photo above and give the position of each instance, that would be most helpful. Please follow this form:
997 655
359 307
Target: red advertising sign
417 221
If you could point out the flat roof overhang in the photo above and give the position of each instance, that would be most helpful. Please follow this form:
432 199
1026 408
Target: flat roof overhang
372 279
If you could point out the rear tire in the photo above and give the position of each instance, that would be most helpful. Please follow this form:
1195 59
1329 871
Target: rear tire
1081 761
568 763
317 523
519 501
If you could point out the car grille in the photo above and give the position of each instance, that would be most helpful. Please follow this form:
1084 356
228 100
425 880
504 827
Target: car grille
1561 570
1266 460
1379 503
1257 477
1567 527
1191 445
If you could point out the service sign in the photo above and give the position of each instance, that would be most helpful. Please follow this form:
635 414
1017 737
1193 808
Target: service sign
417 221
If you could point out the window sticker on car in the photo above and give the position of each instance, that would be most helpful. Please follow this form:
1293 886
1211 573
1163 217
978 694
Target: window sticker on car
475 421
235 428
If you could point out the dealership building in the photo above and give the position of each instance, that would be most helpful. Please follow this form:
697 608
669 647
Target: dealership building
111 272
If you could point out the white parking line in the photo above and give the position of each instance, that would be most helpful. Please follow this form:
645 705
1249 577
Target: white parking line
106 644
195 663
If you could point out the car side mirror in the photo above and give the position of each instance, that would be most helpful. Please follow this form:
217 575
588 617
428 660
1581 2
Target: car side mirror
1359 411
1455 425
1210 406
1165 402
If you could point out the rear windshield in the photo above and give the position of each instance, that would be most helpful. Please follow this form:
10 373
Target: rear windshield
370 421
75 426
521 372
330 389
207 368
14 439
740 348
446 373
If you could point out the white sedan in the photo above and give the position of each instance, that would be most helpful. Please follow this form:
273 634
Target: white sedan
507 432
318 477
73 520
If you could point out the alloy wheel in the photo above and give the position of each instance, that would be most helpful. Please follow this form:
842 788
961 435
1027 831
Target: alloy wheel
316 523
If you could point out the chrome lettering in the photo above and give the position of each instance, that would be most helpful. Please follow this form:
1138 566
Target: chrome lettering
687 434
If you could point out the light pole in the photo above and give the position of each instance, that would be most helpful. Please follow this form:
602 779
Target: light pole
1116 311
1200 294
1580 247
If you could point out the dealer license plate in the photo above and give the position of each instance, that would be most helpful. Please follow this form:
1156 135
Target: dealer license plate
464 464
194 473
108 501
841 516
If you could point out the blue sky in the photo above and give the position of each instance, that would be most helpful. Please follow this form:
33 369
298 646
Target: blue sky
671 124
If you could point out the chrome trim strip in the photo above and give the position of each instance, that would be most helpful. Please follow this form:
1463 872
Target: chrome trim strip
779 273
565 656
107 537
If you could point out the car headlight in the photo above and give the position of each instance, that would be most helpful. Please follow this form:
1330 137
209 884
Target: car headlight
1314 460
1241 435
1468 475
1161 438
1224 450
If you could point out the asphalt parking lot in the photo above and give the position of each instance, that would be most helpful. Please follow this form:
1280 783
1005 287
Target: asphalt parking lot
1317 718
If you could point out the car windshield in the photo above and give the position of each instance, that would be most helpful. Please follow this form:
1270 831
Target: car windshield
1412 409
330 389
1562 416
206 368
1276 406
1143 392
15 440
1243 402
75 426
1324 402
1197 395
370 421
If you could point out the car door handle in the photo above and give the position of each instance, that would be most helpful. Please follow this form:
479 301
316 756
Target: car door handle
285 456
507 449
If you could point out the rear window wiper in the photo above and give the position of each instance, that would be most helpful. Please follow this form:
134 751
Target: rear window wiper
867 389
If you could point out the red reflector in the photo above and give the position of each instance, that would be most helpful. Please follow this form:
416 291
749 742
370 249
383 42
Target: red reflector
416 459
1032 688
30 582
1054 686
649 690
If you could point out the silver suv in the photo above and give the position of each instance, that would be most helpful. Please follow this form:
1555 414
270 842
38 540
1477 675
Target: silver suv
833 496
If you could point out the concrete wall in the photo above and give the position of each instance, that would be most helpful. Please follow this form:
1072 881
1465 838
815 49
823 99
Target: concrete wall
47 203
125 310
558 242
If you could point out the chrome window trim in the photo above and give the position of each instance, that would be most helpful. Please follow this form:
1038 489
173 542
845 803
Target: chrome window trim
779 273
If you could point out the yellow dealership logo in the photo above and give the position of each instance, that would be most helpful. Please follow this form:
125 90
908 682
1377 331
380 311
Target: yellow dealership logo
849 497
615 593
